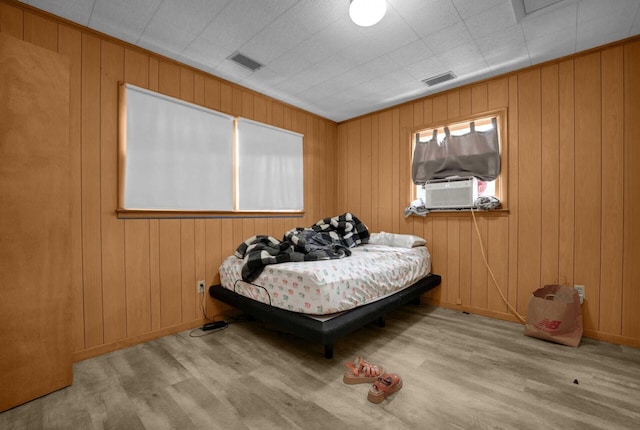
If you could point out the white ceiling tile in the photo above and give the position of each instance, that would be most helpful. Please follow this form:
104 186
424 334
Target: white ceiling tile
240 20
74 10
552 45
591 36
635 29
449 38
410 53
124 19
277 38
593 9
427 68
468 8
291 62
554 20
314 15
205 52
433 17
491 20
510 39
178 22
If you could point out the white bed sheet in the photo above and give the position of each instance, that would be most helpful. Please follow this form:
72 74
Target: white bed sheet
371 273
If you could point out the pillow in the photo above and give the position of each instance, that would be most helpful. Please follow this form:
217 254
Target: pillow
396 240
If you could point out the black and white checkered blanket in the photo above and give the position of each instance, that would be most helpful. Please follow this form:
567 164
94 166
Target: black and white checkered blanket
329 238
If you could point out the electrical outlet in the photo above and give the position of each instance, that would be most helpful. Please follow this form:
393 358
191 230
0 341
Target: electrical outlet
581 290
200 286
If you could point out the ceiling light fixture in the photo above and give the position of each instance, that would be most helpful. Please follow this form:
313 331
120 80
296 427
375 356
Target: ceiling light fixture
366 13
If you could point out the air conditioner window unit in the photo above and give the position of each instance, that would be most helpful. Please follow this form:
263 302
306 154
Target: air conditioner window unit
458 193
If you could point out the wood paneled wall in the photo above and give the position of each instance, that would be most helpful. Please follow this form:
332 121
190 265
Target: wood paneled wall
573 188
135 279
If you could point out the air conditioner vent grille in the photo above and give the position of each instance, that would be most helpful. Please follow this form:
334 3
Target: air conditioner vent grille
435 80
245 61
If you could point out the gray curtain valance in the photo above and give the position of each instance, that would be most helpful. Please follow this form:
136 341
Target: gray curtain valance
476 153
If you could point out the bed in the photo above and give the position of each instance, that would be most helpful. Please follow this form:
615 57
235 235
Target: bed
327 299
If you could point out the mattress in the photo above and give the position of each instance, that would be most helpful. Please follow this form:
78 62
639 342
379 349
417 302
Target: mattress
371 273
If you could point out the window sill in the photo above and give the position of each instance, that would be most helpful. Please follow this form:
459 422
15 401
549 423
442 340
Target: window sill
167 214
464 213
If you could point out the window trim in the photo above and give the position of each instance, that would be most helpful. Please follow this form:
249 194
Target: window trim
501 116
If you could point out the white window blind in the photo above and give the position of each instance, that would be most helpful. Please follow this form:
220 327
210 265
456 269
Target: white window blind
178 156
269 167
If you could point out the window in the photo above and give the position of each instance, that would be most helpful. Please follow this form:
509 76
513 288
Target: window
483 122
269 168
177 156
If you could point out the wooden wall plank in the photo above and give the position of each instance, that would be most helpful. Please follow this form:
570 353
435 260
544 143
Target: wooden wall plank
453 104
214 233
513 119
113 259
550 175
331 157
529 186
498 93
226 96
497 258
91 234
375 184
631 272
366 170
310 184
612 248
70 44
440 109
588 201
479 98
40 31
465 101
188 269
384 172
406 183
342 181
354 180
439 262
138 291
479 286
566 174
11 20
453 262
395 170
466 282
170 272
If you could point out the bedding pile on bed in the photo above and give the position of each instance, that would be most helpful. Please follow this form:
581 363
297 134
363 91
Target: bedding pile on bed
329 238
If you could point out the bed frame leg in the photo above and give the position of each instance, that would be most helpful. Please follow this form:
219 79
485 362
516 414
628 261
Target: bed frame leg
328 350
381 322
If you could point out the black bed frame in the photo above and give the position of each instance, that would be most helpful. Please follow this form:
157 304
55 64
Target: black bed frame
326 332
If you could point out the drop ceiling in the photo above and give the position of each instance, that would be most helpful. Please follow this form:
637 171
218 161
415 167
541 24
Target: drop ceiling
315 58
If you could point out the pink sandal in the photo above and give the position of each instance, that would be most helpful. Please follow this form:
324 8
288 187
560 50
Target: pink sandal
386 385
361 372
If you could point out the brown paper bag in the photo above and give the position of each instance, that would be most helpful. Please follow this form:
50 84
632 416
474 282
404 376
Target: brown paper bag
555 314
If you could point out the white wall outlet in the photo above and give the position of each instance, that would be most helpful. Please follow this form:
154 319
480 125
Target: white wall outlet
200 286
580 289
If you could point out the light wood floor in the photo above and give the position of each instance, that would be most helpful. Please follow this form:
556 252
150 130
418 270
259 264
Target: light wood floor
460 372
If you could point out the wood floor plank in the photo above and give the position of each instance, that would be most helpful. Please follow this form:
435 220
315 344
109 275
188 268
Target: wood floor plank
459 371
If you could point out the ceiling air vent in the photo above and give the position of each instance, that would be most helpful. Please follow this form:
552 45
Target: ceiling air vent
245 61
435 80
